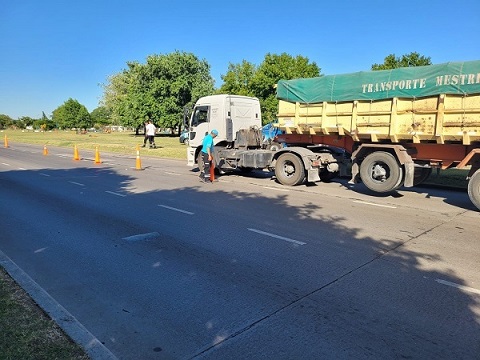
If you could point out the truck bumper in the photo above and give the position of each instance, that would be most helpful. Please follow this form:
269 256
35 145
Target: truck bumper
191 156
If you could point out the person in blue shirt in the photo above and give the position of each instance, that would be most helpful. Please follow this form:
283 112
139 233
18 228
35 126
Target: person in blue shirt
207 155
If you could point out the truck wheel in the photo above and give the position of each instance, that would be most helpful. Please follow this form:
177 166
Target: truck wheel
474 189
274 146
289 170
380 172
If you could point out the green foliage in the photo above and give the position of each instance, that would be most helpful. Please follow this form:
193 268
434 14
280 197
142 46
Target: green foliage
27 121
5 121
101 116
238 79
158 89
407 60
246 79
72 114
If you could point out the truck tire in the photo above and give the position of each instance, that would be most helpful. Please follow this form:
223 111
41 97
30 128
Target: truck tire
474 189
274 146
380 172
289 170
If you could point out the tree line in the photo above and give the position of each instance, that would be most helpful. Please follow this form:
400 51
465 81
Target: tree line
165 85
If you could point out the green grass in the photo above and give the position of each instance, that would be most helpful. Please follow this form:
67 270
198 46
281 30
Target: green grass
115 142
27 332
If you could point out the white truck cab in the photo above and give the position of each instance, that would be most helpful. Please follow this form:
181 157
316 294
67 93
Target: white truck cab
227 114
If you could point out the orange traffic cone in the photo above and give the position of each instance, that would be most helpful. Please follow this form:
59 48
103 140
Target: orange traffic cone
5 142
45 150
97 156
75 153
212 170
138 162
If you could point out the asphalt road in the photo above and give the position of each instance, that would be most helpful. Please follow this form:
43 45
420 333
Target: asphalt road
153 264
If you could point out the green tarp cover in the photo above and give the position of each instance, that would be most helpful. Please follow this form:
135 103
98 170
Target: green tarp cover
410 82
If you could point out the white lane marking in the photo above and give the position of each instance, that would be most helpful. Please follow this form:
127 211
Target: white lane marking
5 164
373 204
277 236
175 209
43 174
114 193
172 173
274 188
21 168
458 286
76 183
141 237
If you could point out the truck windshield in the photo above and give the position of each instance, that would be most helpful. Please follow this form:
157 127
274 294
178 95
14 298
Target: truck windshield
200 115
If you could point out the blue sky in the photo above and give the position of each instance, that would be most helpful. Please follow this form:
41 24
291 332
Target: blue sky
53 50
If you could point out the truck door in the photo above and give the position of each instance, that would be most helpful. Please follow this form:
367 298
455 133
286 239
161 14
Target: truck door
199 124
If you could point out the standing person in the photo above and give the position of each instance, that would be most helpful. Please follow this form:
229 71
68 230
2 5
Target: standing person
151 130
207 155
145 136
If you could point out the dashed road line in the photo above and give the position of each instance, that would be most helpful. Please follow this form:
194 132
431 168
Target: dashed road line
275 188
142 237
116 194
277 236
458 286
373 204
175 209
76 183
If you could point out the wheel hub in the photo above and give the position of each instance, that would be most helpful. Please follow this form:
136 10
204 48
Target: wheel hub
379 172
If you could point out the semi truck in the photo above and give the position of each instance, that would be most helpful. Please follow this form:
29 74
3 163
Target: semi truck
393 126
239 145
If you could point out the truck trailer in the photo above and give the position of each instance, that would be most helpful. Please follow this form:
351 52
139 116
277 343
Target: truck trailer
397 124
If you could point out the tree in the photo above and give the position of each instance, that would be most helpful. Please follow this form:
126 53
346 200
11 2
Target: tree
5 121
72 114
44 123
271 70
407 60
238 79
158 89
247 79
101 116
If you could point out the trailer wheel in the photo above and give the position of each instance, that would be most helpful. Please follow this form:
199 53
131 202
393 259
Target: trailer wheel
474 189
380 172
289 170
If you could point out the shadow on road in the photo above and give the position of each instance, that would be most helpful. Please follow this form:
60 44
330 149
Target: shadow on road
342 295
